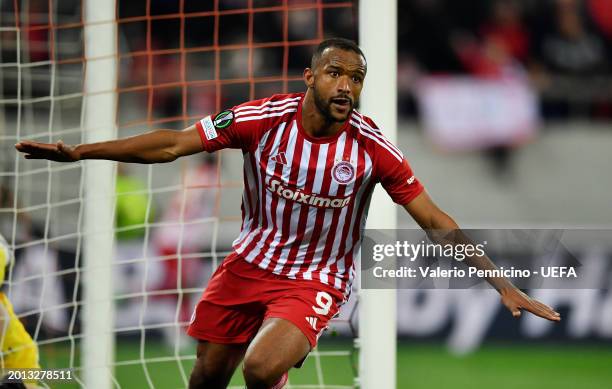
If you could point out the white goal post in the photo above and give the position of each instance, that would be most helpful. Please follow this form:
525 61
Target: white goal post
98 342
377 308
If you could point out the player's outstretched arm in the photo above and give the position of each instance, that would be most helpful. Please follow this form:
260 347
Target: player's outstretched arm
152 147
430 217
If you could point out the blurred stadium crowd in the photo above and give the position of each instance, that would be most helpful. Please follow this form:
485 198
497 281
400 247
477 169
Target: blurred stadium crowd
563 46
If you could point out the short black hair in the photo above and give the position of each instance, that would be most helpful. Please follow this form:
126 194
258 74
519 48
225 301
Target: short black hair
339 43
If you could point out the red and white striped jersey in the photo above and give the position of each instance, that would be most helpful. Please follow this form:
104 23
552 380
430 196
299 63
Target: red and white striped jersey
306 199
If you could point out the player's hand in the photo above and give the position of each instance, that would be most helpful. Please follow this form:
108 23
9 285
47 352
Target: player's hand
58 152
515 301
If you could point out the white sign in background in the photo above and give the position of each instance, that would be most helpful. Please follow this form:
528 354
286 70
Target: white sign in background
464 113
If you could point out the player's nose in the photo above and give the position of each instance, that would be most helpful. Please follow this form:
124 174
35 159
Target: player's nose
344 85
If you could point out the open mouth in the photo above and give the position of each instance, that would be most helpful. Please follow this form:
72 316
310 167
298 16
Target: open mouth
341 103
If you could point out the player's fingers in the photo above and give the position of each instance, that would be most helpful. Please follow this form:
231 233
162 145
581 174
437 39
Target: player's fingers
546 312
541 310
548 315
29 143
547 308
35 147
38 156
538 306
23 146
516 312
27 150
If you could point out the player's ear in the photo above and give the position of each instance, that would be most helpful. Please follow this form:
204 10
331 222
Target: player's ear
309 77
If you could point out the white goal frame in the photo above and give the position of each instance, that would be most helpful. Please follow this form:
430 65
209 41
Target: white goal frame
99 124
377 308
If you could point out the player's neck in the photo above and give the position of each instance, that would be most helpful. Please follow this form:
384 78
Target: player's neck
314 123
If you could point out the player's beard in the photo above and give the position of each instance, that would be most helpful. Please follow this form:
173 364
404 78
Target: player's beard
324 107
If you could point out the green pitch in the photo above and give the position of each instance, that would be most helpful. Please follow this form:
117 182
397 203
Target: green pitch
420 366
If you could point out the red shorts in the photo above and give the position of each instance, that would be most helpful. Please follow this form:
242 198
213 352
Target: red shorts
240 296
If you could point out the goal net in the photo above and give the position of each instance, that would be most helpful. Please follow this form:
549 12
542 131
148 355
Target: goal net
111 259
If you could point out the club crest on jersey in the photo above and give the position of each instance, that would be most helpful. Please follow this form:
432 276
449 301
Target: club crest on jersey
223 119
343 172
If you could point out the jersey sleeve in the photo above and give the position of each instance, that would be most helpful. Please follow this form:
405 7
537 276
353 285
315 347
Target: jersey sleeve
242 126
398 179
228 129
391 168
222 131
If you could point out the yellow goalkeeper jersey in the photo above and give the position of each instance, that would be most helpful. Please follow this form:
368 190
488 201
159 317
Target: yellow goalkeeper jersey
18 350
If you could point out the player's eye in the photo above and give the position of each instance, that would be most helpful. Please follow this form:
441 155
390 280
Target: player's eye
334 74
357 79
